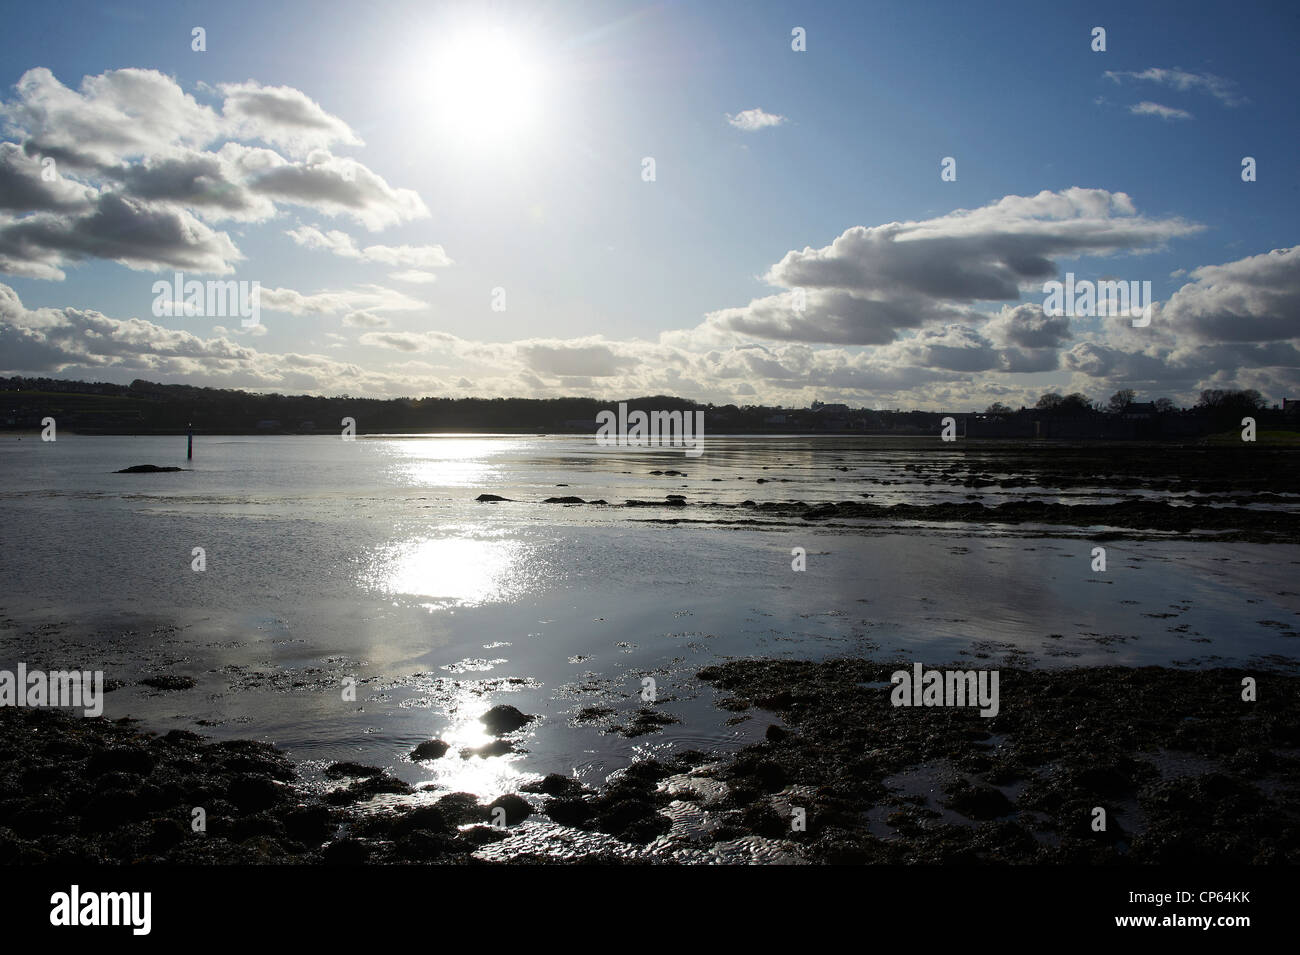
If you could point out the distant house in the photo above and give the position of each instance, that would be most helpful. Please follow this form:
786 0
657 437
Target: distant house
821 408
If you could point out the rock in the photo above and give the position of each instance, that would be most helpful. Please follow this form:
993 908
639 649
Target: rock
463 808
645 720
112 809
575 812
498 747
564 500
490 498
980 802
516 807
504 718
120 759
423 819
351 770
478 836
181 738
146 469
346 852
165 833
632 820
555 785
169 682
309 824
366 788
127 782
775 733
432 749
1105 780
252 793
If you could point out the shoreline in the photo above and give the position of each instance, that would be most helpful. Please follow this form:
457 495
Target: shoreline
1187 771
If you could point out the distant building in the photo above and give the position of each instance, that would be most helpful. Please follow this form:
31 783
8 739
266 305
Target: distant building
821 408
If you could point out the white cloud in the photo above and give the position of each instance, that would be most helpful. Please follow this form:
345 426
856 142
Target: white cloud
282 116
340 243
373 298
415 276
136 181
751 120
1147 108
1225 91
871 283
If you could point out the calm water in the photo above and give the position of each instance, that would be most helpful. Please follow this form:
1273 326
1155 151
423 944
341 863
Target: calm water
371 559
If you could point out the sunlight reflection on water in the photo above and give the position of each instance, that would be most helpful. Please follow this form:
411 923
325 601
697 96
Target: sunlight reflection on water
453 571
444 462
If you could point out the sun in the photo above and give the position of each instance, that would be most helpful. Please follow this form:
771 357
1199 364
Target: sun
489 85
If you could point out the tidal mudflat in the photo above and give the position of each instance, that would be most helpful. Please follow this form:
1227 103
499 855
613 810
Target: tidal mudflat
374 565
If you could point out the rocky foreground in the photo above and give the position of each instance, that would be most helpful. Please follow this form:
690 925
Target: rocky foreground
1186 770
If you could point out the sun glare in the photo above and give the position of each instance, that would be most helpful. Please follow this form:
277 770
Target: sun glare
488 85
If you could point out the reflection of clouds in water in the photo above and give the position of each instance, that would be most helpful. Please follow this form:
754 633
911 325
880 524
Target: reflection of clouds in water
457 571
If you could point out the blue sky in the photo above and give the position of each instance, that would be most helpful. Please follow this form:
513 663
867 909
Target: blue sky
615 285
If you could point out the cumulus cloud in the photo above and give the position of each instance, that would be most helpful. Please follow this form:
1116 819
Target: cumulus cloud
871 283
333 185
1255 299
124 168
25 187
118 115
136 234
208 183
1233 325
282 116
752 120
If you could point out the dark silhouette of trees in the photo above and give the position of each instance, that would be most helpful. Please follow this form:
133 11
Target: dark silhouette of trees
1120 400
1054 403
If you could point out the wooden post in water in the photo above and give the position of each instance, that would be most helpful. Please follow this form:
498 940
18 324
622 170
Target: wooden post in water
189 442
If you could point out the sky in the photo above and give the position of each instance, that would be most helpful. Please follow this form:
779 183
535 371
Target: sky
733 202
